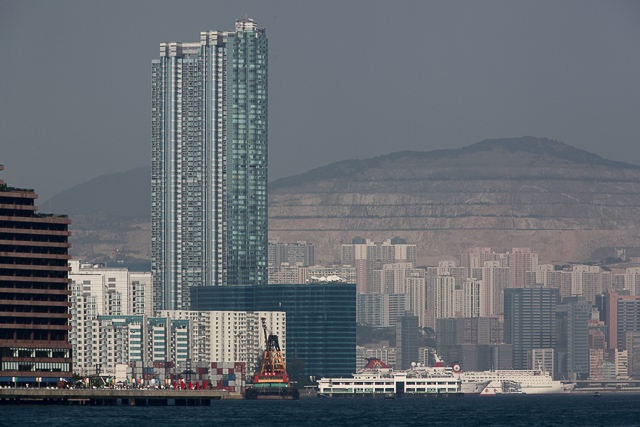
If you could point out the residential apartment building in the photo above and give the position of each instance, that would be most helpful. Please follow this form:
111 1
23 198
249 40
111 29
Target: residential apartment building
209 162
381 310
175 337
363 255
300 253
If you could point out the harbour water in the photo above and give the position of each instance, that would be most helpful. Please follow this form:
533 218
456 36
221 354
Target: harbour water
571 410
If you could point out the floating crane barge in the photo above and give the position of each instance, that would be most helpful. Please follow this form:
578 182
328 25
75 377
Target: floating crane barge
272 382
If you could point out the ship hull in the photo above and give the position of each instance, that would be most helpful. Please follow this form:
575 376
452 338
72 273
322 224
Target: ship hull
271 393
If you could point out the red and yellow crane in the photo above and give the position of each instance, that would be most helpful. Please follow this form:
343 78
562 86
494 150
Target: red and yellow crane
273 372
272 382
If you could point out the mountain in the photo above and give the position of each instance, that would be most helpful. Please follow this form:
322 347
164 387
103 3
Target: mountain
123 194
565 202
516 192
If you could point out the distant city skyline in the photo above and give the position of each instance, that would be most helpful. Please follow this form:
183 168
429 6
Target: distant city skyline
348 79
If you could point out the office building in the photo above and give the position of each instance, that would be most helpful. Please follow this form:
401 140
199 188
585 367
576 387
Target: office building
529 321
573 339
621 315
34 329
632 345
321 319
209 162
406 341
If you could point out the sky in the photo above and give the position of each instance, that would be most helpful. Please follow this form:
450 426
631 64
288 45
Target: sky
347 79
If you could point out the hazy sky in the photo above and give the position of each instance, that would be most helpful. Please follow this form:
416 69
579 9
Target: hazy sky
347 79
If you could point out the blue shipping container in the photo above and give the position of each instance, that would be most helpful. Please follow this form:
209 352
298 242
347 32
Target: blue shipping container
232 377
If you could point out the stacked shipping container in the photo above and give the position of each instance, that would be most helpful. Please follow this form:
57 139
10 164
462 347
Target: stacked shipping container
228 376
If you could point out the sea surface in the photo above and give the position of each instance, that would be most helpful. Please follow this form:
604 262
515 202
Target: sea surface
608 410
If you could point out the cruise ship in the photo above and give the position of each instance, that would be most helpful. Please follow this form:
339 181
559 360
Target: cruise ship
511 382
378 379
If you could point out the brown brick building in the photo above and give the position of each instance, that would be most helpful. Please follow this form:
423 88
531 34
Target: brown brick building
34 306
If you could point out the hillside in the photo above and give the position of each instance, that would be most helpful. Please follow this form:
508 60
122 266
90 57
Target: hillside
503 193
563 201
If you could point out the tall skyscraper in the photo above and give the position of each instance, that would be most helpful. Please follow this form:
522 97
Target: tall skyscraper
209 162
529 320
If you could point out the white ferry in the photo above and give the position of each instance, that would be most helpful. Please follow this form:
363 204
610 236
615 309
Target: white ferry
379 379
512 382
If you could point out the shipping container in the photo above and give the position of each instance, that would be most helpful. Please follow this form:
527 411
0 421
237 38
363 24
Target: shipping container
232 377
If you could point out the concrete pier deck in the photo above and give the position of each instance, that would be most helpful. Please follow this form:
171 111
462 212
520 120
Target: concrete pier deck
98 397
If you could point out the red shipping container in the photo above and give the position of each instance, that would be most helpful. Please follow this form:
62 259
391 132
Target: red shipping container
231 371
220 371
219 384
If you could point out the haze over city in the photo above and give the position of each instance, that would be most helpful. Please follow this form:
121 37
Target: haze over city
440 199
346 79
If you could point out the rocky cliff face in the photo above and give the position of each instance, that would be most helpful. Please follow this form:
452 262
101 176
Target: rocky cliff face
533 192
522 192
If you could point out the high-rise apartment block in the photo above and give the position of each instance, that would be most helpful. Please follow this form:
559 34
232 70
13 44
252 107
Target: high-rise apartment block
209 162
529 321
111 291
363 255
381 310
231 336
34 329
300 253
397 250
522 260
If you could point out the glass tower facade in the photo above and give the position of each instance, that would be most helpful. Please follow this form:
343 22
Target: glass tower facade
209 163
321 319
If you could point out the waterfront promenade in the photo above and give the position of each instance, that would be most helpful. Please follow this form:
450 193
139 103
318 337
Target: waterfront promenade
97 397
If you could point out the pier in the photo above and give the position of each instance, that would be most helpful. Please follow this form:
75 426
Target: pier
100 397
